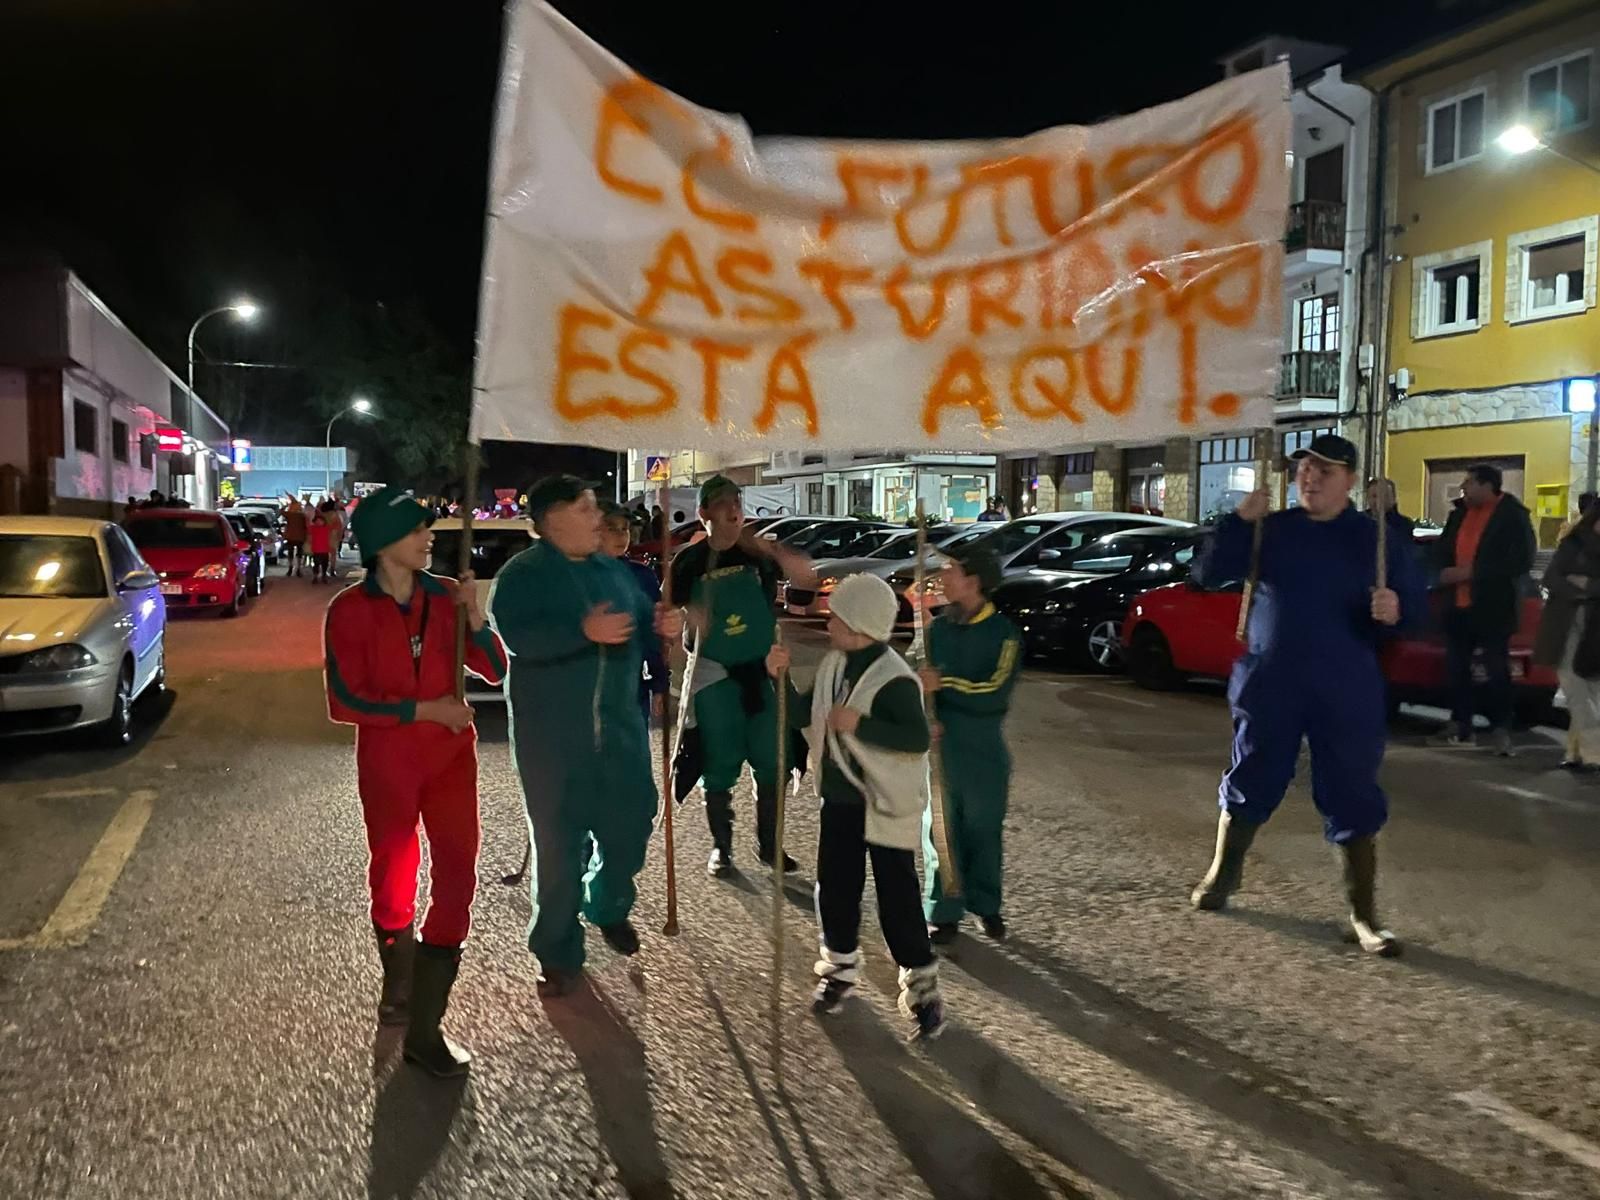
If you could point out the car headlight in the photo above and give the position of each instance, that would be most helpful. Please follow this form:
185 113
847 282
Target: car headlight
933 586
67 657
827 585
212 571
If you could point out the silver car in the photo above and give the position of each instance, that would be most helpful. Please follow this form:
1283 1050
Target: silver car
495 542
897 552
82 627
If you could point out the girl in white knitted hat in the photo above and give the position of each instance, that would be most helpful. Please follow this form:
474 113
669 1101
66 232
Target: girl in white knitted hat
869 748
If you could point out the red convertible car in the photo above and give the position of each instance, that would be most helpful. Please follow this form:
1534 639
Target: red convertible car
1182 630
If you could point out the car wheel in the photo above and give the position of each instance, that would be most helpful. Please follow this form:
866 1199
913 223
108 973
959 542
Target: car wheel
1149 660
235 608
258 580
1104 644
117 729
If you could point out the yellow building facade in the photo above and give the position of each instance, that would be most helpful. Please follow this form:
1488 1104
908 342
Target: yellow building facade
1490 299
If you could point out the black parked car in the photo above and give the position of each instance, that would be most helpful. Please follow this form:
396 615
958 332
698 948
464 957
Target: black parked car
1074 610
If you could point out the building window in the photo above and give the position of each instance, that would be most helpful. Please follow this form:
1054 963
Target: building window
1227 474
813 498
119 440
1319 323
1452 298
1455 131
85 428
147 451
1558 94
860 497
1551 270
1552 278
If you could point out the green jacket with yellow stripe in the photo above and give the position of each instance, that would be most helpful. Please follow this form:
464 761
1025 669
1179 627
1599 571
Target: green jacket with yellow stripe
977 660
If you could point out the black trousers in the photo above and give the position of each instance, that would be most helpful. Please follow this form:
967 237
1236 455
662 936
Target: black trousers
1462 638
719 814
842 854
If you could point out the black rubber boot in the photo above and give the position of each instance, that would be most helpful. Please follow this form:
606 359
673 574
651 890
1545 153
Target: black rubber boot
396 950
767 827
719 819
431 981
1227 866
1361 888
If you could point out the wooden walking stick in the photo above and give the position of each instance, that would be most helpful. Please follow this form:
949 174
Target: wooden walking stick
1383 534
669 799
1245 596
950 875
777 871
463 565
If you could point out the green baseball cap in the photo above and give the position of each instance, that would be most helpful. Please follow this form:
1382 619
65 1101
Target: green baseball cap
384 517
553 490
979 561
715 488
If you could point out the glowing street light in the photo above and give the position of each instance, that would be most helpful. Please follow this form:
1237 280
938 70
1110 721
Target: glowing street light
244 309
1518 139
360 405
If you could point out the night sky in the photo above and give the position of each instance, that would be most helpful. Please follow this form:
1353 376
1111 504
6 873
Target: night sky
177 153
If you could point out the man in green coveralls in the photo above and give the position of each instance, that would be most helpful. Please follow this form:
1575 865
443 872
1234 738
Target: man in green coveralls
973 655
729 580
578 627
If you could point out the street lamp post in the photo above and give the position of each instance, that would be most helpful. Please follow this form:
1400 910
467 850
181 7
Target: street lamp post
1519 139
358 405
245 310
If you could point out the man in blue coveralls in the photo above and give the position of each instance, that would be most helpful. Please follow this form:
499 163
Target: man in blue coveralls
1311 671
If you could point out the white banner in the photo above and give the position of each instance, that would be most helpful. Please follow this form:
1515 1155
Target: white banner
655 277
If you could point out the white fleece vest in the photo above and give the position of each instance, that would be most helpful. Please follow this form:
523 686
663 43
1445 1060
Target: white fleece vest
894 782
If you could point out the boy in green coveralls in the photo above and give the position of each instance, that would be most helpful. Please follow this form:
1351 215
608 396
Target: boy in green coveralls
729 581
578 627
973 654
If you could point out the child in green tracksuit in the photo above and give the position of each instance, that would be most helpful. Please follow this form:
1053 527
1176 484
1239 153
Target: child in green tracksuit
869 749
973 655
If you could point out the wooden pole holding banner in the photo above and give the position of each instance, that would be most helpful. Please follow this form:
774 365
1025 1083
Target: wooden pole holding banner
1383 534
949 873
668 797
463 565
1263 461
777 871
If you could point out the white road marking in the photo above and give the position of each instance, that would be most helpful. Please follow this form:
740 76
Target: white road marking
1523 793
1124 699
1574 1147
78 910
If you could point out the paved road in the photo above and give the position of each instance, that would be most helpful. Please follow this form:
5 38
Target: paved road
187 983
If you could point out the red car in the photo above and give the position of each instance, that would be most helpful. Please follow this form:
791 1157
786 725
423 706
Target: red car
201 561
1181 630
649 553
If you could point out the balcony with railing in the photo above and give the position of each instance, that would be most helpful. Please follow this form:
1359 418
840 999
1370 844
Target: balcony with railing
1315 237
1309 374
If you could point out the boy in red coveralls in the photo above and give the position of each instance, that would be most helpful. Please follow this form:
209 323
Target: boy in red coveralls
390 671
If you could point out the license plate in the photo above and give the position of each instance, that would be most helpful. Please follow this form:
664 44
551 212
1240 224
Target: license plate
172 589
1519 669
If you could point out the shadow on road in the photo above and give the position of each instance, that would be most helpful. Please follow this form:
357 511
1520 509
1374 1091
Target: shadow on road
956 1157
69 755
1525 988
791 1168
411 1123
617 1075
1207 1071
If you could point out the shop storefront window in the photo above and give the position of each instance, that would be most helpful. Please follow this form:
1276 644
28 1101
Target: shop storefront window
1146 480
814 498
965 497
1227 474
1076 493
899 498
860 496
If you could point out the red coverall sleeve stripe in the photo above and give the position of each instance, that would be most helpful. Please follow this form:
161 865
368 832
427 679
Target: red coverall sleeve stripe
353 699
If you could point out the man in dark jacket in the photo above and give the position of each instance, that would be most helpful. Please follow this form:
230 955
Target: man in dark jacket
1484 554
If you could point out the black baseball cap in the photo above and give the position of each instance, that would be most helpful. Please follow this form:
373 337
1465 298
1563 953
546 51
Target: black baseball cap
1330 447
553 490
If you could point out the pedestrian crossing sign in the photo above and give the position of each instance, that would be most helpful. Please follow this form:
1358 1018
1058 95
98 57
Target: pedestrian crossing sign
657 468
